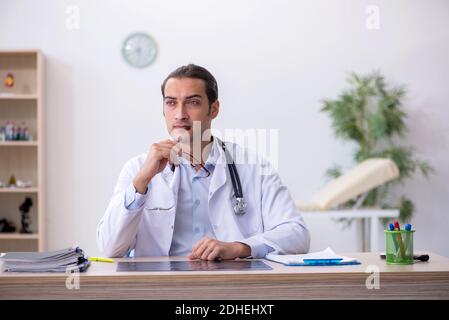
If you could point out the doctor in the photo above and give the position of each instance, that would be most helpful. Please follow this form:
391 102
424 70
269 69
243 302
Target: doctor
173 201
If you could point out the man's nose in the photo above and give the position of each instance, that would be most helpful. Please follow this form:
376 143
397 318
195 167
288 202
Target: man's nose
181 113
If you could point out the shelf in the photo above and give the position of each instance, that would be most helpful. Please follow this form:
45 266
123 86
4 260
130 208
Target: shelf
18 236
19 190
18 96
23 104
15 52
18 144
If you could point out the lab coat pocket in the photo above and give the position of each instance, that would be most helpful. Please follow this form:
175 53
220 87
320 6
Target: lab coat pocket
249 223
159 209
160 201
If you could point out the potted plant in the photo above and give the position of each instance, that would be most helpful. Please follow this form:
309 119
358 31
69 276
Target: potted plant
369 113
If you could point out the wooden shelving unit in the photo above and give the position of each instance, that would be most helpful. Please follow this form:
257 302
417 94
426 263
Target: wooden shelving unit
23 103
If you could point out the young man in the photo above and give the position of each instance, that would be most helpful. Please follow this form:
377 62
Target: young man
180 198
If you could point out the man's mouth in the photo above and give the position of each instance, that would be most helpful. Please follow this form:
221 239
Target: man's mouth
182 126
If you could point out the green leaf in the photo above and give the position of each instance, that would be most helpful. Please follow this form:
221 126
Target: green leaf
425 168
406 209
377 126
333 172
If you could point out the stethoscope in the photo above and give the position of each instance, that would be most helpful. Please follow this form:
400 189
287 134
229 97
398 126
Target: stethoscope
239 204
239 201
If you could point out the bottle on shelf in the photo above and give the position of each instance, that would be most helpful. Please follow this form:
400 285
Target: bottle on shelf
11 132
2 134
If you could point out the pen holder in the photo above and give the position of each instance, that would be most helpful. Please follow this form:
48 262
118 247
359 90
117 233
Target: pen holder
399 246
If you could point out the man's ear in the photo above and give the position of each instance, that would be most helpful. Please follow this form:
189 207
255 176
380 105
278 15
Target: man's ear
214 109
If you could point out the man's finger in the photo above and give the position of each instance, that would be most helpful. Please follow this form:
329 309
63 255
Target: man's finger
166 143
167 146
165 152
198 244
173 148
199 251
214 254
207 252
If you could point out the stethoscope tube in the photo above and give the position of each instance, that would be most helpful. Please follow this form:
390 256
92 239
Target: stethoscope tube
233 173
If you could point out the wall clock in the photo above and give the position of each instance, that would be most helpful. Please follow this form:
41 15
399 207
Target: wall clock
139 50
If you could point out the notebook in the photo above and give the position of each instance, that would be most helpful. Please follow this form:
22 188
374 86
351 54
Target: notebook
326 257
52 261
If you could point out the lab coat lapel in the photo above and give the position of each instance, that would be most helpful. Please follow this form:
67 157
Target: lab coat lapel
221 214
219 176
172 179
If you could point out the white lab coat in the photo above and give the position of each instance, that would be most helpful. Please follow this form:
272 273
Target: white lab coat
271 216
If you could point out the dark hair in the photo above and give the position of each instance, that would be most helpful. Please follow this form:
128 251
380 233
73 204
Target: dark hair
196 72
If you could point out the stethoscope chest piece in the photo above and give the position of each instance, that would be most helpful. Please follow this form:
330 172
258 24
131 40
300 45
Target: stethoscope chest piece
239 206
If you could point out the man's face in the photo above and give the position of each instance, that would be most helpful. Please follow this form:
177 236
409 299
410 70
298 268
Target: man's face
186 101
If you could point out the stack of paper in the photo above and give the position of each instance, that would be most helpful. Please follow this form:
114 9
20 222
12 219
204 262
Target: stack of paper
55 261
326 257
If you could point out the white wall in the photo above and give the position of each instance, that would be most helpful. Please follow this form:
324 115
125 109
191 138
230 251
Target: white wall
274 61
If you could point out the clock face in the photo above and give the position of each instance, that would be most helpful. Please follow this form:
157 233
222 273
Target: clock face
139 50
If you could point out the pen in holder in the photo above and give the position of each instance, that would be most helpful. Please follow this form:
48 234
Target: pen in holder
399 246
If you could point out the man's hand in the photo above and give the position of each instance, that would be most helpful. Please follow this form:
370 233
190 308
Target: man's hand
211 249
160 153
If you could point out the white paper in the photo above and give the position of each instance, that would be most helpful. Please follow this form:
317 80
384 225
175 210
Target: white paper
298 259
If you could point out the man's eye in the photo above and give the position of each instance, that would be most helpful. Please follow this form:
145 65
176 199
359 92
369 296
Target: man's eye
194 102
170 102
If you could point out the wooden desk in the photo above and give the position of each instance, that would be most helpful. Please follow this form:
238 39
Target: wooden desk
428 280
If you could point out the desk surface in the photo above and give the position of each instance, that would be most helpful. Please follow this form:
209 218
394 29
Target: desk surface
422 280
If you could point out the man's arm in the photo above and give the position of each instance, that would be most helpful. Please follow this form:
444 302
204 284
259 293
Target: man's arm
284 229
117 230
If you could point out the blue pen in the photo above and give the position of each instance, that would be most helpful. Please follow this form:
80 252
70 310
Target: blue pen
325 262
408 227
